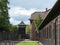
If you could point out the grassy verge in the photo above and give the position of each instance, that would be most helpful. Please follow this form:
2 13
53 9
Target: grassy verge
27 43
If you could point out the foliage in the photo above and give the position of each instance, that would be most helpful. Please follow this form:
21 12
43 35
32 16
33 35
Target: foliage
27 29
14 29
4 17
37 22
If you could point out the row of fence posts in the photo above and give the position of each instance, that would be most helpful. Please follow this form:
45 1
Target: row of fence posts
9 42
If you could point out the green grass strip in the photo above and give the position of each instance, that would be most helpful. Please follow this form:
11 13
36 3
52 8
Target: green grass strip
27 43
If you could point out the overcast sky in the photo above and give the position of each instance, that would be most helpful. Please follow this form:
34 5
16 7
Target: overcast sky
21 10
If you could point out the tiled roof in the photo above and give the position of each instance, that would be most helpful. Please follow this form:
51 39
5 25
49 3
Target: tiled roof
41 14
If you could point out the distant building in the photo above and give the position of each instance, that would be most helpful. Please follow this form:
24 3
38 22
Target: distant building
22 30
32 25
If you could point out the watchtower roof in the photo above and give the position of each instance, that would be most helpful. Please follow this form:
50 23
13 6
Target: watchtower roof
21 23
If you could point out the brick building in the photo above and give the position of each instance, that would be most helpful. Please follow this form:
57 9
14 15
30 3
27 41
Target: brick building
42 14
50 27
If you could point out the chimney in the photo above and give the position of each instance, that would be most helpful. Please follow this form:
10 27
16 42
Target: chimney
46 9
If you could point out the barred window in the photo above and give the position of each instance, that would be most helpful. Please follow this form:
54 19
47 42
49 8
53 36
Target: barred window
47 33
50 27
44 33
54 30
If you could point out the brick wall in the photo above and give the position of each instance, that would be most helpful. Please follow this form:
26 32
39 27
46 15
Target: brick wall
51 35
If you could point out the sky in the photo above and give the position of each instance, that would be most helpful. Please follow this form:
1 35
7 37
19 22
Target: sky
21 10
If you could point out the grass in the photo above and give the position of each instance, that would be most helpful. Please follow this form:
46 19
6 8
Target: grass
27 43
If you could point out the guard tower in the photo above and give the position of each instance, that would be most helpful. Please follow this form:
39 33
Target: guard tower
22 31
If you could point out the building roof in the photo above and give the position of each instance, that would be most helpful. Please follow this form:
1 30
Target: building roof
34 15
41 14
51 15
21 23
44 13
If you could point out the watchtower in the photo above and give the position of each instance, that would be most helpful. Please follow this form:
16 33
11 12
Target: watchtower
22 30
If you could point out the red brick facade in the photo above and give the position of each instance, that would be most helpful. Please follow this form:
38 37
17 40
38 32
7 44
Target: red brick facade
32 25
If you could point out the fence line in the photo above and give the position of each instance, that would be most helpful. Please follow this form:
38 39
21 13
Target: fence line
7 36
9 42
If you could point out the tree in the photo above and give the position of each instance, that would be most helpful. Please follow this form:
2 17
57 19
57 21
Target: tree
14 29
27 29
37 22
4 17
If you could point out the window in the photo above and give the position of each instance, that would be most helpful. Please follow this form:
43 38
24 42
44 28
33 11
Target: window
50 28
47 32
54 30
